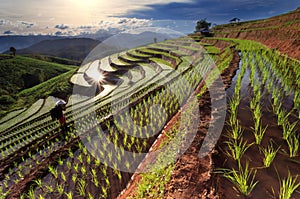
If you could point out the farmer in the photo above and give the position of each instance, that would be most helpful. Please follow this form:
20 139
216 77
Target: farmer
61 106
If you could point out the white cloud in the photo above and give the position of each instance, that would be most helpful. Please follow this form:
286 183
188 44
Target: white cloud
62 27
26 24
81 16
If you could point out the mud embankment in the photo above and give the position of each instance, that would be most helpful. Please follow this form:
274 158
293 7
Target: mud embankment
281 32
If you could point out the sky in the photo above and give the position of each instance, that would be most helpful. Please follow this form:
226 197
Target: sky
98 17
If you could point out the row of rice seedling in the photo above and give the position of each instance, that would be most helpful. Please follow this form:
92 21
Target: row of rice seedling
267 78
243 178
58 186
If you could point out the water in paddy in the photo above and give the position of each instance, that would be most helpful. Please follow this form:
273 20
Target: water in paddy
268 178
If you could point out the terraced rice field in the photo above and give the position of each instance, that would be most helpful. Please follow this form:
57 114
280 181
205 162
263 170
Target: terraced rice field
38 161
122 102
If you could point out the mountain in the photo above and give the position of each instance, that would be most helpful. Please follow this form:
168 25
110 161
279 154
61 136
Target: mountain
22 41
70 48
124 41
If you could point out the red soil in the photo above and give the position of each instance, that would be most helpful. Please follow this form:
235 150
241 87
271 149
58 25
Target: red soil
280 32
191 177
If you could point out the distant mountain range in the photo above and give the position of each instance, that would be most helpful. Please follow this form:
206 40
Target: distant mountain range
75 48
70 48
20 42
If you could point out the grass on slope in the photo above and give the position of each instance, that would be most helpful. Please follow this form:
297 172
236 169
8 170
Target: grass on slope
24 80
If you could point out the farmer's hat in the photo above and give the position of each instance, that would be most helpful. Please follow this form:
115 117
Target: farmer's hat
60 102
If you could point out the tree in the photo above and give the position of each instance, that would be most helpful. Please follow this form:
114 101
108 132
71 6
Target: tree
202 24
12 51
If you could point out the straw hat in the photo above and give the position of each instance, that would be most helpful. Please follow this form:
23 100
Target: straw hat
60 102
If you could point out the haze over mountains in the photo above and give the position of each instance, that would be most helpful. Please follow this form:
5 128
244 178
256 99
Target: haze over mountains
75 48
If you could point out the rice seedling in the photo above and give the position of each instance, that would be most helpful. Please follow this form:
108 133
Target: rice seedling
90 196
243 179
259 133
81 187
282 117
38 182
53 171
69 195
288 186
237 148
60 188
288 129
269 154
293 144
236 130
31 193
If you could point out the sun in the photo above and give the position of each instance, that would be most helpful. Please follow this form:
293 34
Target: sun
86 3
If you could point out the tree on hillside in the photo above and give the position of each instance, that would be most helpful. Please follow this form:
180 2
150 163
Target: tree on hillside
12 51
202 24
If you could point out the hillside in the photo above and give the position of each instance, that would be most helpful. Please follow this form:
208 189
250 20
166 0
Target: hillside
19 74
20 41
70 48
281 32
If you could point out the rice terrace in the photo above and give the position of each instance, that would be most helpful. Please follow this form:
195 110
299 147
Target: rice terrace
157 115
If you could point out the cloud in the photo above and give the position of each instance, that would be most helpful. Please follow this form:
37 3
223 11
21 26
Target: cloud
214 10
58 33
86 27
27 24
61 27
124 23
8 32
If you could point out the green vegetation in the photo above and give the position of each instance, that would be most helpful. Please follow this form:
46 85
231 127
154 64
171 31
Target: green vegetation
269 154
288 186
152 184
22 80
243 179
75 172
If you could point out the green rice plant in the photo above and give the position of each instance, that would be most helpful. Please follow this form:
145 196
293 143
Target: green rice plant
60 188
63 177
90 196
237 148
76 166
259 133
257 112
233 105
38 182
53 171
81 187
269 154
83 170
277 108
69 195
253 103
41 197
293 144
94 179
282 117
236 130
31 193
74 178
288 129
288 186
49 188
243 179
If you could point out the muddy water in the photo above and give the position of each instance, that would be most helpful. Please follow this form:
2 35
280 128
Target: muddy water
268 178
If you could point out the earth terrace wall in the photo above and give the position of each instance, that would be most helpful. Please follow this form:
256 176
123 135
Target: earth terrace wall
280 32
